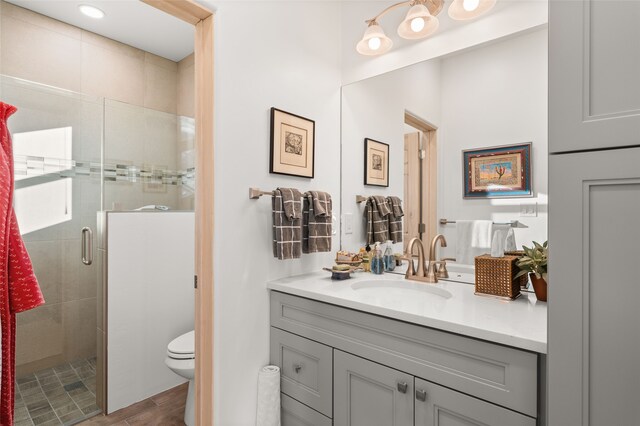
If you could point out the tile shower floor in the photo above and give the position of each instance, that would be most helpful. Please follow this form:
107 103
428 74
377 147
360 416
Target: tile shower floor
61 395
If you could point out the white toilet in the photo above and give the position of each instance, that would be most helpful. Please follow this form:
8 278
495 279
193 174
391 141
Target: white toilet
181 360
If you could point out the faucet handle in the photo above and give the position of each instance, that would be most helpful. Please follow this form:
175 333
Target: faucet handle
441 269
411 270
432 272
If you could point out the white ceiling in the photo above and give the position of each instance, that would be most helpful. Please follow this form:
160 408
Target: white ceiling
127 21
140 25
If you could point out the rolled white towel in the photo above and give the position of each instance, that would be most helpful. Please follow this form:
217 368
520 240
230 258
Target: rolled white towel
268 413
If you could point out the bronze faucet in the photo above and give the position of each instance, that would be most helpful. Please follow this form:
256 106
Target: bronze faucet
412 274
426 272
432 271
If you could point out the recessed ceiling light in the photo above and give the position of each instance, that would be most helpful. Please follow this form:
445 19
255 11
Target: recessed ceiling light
91 11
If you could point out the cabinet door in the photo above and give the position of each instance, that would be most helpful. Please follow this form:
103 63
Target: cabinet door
440 406
594 64
594 288
370 394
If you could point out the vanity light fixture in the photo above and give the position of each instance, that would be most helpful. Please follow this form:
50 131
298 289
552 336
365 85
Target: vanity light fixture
91 11
420 22
374 41
463 10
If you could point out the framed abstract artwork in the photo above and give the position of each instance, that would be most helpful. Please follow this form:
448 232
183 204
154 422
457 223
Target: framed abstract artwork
497 172
292 144
376 163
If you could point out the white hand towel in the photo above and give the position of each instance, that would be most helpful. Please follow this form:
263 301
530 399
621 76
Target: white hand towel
473 239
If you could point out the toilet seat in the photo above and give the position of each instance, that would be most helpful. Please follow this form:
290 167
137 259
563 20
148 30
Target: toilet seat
180 356
181 360
182 347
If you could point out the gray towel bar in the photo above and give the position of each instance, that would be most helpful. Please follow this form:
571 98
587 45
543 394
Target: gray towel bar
513 223
255 193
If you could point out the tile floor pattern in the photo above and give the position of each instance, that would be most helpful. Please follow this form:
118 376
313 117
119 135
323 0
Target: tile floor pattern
60 395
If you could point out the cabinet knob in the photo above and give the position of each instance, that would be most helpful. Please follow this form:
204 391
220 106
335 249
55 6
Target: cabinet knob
297 368
421 395
402 387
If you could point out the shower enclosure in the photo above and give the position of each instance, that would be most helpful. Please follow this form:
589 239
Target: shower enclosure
76 155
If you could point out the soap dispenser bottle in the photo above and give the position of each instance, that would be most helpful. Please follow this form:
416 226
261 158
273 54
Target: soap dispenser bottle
377 261
389 259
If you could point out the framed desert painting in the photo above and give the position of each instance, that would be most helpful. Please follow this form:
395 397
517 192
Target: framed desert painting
292 144
497 172
376 163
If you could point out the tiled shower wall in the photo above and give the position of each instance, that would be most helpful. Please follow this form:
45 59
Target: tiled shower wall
138 86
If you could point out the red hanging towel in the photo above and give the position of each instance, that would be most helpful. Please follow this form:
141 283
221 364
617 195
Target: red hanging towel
19 290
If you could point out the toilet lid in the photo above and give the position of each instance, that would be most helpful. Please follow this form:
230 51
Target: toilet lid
183 346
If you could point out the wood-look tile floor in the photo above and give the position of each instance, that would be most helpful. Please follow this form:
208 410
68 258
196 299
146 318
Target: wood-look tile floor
164 409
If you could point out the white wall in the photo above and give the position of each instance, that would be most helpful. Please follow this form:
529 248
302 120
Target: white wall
150 300
268 54
507 17
492 96
374 108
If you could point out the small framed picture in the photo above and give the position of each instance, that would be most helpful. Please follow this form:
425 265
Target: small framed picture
376 163
292 144
497 172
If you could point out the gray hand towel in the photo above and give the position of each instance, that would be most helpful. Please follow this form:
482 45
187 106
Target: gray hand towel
321 203
316 222
382 205
395 219
376 212
287 227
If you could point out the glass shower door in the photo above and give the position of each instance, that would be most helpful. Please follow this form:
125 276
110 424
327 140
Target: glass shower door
57 138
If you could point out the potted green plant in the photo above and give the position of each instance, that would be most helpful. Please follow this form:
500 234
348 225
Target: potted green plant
534 263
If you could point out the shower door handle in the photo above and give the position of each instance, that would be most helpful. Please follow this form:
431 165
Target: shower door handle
87 246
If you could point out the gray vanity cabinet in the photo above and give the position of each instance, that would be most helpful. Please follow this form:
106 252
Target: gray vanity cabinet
344 367
370 394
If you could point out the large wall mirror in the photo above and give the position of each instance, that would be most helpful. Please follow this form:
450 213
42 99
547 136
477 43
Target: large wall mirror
428 113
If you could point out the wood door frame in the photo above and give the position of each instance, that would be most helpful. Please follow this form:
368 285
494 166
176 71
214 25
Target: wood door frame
202 19
428 133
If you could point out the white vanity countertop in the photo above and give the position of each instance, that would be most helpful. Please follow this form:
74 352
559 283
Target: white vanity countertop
520 323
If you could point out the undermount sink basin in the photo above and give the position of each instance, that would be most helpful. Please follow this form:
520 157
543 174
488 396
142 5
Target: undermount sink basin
398 287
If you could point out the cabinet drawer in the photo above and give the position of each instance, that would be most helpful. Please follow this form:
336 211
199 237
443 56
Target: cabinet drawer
499 374
305 369
441 406
295 413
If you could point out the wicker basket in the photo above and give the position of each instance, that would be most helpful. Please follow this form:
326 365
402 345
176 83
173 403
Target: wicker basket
495 276
524 280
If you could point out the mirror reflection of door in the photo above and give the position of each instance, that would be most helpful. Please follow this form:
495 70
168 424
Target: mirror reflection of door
420 189
412 198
